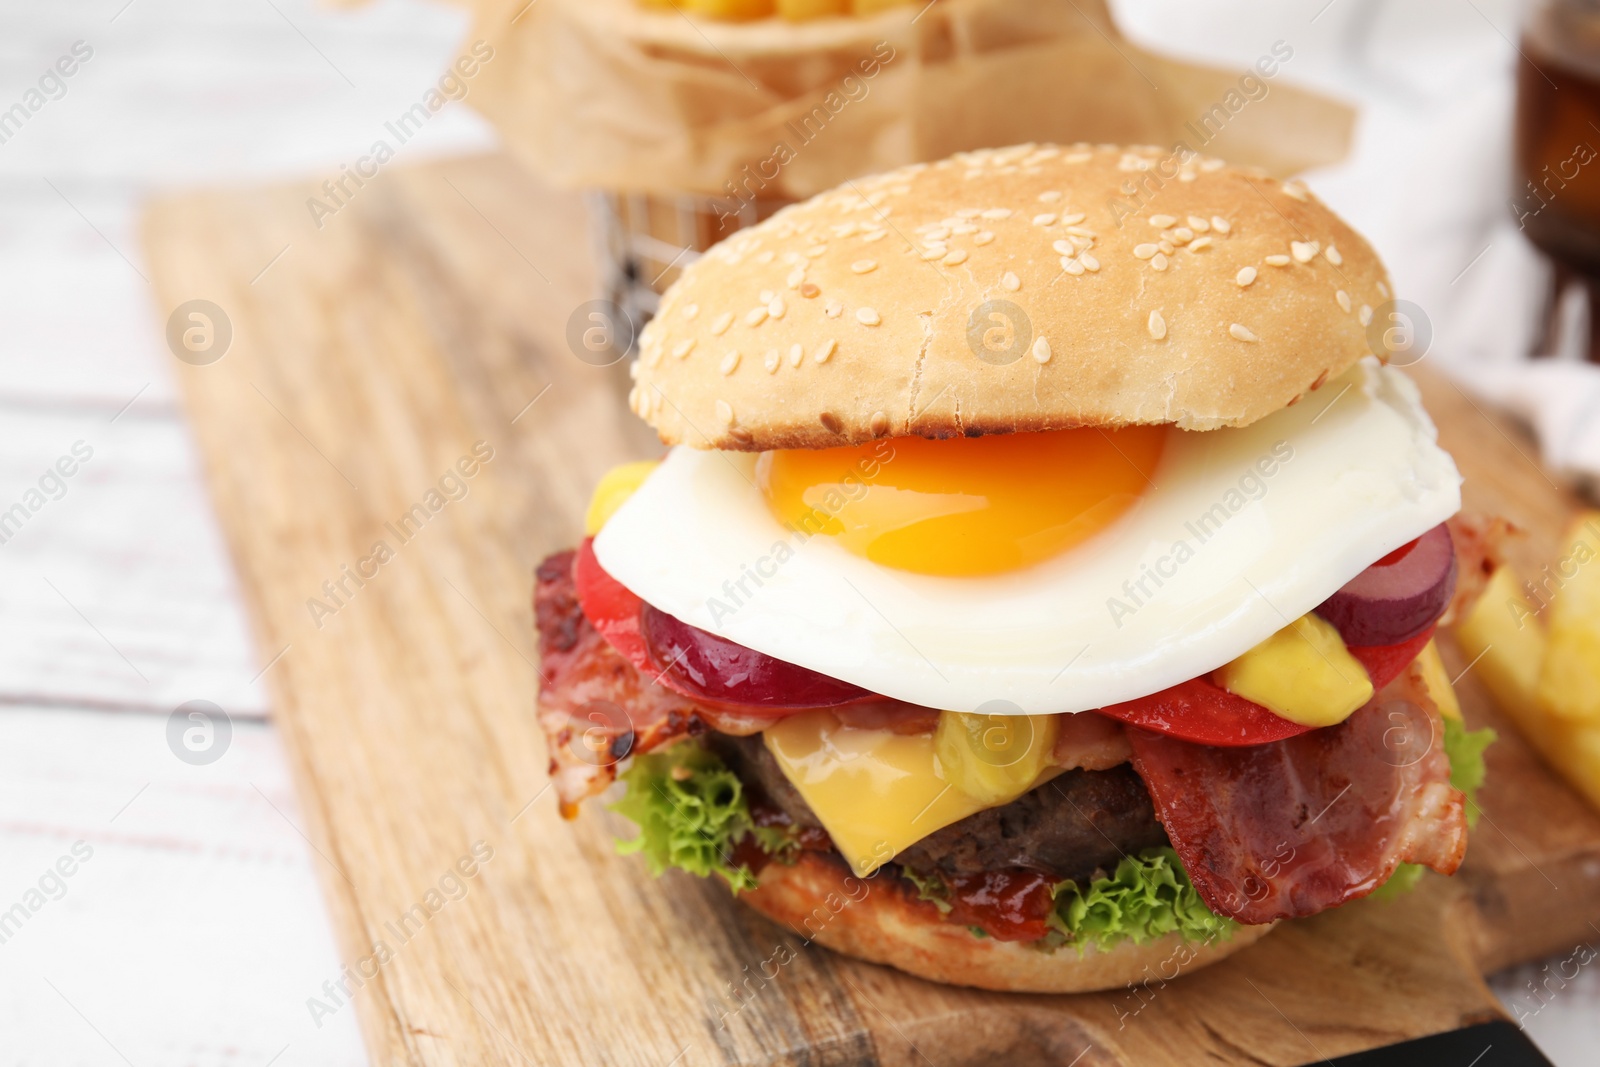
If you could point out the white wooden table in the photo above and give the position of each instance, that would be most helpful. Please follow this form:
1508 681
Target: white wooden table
190 931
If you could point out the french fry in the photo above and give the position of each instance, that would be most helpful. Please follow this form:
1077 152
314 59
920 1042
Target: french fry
1569 681
800 10
1505 642
733 10
1507 645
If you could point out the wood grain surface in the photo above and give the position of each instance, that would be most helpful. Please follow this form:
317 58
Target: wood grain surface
428 316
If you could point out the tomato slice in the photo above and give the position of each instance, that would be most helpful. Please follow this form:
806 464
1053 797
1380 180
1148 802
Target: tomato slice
611 608
1201 711
694 662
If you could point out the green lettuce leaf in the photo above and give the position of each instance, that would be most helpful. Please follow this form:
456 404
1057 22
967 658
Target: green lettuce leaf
930 889
1467 769
1148 895
691 811
1465 749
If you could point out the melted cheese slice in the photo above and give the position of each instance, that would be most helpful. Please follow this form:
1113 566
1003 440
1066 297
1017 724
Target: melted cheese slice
876 792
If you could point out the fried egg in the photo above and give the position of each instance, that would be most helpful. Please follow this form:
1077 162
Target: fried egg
1042 573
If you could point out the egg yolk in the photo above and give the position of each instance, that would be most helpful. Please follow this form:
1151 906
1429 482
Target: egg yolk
964 506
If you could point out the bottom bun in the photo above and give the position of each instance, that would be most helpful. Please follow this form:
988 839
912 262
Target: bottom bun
877 919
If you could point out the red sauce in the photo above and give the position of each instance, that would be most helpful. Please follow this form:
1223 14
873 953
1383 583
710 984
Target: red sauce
1008 905
748 851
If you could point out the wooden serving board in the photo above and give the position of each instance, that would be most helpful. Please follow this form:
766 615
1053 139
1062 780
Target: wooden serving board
366 360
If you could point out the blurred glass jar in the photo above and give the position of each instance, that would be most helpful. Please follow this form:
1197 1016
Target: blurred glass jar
1556 195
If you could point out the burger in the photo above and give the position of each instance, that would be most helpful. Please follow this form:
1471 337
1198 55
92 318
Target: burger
1041 581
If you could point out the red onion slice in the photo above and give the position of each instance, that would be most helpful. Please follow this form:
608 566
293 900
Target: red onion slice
1398 597
709 667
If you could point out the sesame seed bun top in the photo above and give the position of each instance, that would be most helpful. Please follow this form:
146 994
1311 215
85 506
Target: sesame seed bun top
1035 287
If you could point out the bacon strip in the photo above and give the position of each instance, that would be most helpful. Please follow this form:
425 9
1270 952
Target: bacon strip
594 707
1480 550
1297 826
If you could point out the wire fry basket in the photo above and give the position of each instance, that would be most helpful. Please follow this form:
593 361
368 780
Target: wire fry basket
644 240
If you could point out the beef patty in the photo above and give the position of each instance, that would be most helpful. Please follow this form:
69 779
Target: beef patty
1072 826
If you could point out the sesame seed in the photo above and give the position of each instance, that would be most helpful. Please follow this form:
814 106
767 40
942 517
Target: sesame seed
1044 220
764 257
720 325
1182 235
1384 290
1200 244
1079 231
962 229
1010 281
691 310
830 422
1071 266
755 316
868 317
875 235
879 424
1049 197
729 362
982 237
1041 350
683 348
816 250
809 290
833 309
968 213
1343 298
1295 189
1333 256
652 356
1161 222
824 350
956 257
725 412
1186 176
1089 262
796 354
1221 225
764 296
795 278
1078 157
936 252
864 266
1166 246
1145 251
1159 262
938 233
771 360
997 213
1157 325
1198 224
1303 250
1065 248
1365 315
1212 163
1073 219
1278 261
1241 333
1245 276
776 307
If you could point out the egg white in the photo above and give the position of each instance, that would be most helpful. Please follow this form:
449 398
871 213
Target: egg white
1363 475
